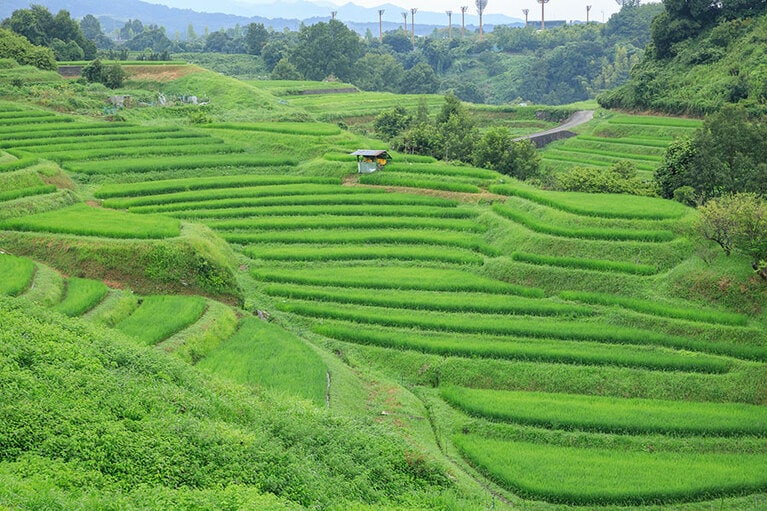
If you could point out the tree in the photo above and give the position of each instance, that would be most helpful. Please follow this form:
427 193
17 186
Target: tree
284 70
420 79
326 49
457 129
391 123
217 42
497 150
737 223
112 76
378 72
18 48
42 28
256 36
91 27
154 39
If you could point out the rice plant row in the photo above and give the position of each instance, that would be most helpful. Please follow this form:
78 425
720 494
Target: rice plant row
365 236
658 309
441 169
617 155
179 162
599 205
610 414
138 152
26 192
66 127
203 183
574 330
341 222
56 136
30 114
84 220
585 264
16 274
351 197
46 120
642 120
288 128
365 253
516 348
159 317
396 277
328 210
21 163
660 143
598 476
81 295
384 179
445 301
566 156
83 144
584 233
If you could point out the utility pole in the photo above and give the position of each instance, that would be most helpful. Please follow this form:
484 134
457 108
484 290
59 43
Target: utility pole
412 25
380 25
526 12
449 24
481 4
333 14
543 13
404 17
463 19
588 11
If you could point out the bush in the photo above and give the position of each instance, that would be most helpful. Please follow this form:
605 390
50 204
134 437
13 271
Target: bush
497 150
113 76
618 178
18 48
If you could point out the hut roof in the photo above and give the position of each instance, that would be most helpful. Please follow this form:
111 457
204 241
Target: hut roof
369 153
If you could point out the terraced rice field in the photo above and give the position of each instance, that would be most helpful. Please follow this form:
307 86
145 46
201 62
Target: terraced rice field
537 330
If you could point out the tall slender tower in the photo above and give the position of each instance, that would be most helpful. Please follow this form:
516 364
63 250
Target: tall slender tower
333 14
526 12
449 24
543 13
404 24
588 12
481 4
380 25
412 25
463 19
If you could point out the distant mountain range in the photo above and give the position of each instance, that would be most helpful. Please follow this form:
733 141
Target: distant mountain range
278 15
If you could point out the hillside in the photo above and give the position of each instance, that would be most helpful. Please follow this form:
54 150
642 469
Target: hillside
431 336
724 63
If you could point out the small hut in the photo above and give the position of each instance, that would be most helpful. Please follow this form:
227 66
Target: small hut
371 160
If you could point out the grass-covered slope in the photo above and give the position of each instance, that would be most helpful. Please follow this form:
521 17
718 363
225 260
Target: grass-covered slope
723 64
87 418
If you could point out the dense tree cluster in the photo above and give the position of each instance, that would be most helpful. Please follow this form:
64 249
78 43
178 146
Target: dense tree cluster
727 155
60 32
18 48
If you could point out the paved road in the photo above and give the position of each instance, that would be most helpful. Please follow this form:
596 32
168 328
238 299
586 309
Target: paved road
578 118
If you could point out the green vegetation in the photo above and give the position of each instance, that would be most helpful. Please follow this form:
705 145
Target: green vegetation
159 317
610 415
84 220
81 296
17 273
178 162
555 473
585 264
264 354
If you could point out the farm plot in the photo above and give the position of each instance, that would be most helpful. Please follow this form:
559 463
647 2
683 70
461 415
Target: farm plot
159 317
84 220
15 274
80 296
364 253
265 355
557 474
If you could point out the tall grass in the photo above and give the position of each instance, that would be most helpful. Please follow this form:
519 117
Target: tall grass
512 348
365 253
599 205
590 233
16 274
609 414
585 264
430 301
591 476
264 354
21 163
179 162
84 220
26 192
159 317
81 295
395 277
658 309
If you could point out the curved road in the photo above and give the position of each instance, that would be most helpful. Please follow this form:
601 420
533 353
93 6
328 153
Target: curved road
578 118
